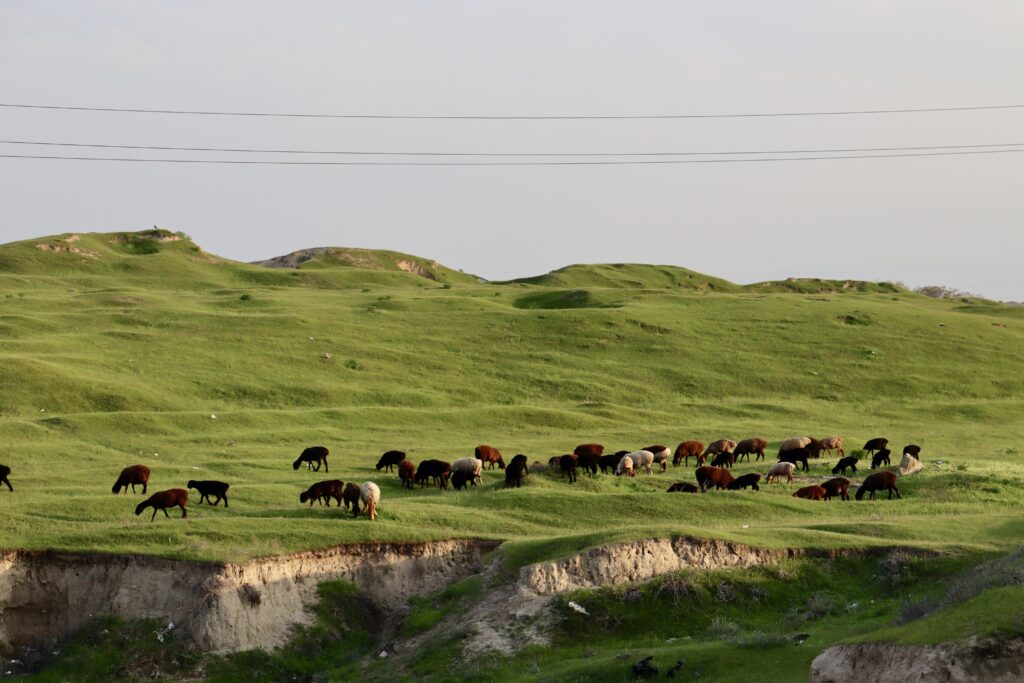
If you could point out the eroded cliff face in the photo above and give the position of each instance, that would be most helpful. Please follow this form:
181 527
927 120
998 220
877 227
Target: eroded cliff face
989 661
222 607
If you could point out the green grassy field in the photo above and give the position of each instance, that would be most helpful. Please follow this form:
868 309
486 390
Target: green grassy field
118 349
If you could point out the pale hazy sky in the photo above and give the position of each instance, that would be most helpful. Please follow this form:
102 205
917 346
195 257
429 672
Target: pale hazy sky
938 220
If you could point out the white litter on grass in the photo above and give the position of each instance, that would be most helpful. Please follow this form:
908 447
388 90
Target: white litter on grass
745 526
579 608
383 653
213 417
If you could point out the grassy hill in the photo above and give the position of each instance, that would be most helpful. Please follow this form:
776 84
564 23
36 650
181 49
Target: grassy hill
140 347
368 259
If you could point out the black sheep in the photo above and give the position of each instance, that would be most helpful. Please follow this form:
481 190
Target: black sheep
567 463
389 460
514 474
913 451
795 456
4 472
313 454
879 481
322 492
209 488
520 458
682 487
744 481
849 461
461 480
880 457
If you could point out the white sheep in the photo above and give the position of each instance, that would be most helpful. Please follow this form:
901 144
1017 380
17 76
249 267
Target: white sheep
625 467
661 455
369 494
471 466
910 465
780 469
642 460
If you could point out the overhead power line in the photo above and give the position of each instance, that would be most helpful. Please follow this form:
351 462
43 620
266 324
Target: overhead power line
249 150
620 162
476 117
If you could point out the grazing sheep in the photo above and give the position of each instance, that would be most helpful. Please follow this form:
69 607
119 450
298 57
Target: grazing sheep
880 457
595 448
849 461
795 455
434 472
210 488
313 454
130 476
833 443
608 463
490 456
687 450
811 493
661 455
522 458
588 461
460 480
471 466
163 500
910 465
913 450
350 497
322 492
879 481
514 474
642 460
723 459
683 487
553 461
369 494
746 447
389 460
795 442
720 446
567 463
780 469
625 467
876 445
407 473
840 486
5 471
717 477
744 481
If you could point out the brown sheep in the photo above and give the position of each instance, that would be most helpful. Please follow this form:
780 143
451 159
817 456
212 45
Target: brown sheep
389 460
313 454
744 481
840 486
687 450
594 448
876 444
489 455
588 462
746 447
720 446
683 487
811 493
833 443
879 481
163 500
5 471
350 497
130 476
210 488
407 473
716 477
567 463
661 455
322 492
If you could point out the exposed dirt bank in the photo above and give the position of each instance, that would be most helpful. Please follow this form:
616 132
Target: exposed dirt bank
223 607
989 661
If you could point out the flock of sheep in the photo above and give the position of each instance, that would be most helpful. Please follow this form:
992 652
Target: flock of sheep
590 458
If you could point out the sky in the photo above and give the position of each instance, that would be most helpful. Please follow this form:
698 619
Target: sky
950 220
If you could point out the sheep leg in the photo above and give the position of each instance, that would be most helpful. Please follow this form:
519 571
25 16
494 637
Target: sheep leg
184 512
154 515
7 481
225 500
325 466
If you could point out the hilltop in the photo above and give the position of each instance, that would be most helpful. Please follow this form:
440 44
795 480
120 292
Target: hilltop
369 259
